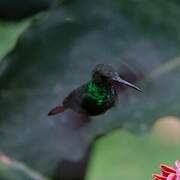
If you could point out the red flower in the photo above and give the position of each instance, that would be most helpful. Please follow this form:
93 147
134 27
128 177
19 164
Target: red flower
168 173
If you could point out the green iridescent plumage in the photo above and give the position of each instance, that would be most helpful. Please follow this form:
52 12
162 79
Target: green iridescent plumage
101 94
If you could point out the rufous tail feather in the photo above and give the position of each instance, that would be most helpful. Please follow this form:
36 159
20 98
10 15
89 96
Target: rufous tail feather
56 110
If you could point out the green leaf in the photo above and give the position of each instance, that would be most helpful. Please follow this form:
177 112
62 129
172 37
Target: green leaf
57 54
9 34
13 170
121 155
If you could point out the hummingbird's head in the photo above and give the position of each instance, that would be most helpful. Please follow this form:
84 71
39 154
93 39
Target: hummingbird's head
106 73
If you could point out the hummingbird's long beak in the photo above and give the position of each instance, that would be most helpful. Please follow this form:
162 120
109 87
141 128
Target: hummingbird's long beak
119 80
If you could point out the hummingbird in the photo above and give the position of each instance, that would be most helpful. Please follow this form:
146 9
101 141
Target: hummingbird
96 96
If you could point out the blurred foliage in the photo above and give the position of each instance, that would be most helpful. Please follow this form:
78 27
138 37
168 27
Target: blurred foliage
160 17
20 9
57 53
121 155
13 170
9 33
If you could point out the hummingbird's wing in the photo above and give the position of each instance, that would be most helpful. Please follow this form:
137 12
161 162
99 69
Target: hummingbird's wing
72 101
75 98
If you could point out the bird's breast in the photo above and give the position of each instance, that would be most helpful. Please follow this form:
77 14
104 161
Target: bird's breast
100 101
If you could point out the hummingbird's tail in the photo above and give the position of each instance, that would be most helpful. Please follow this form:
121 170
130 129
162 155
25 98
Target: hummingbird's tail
56 110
